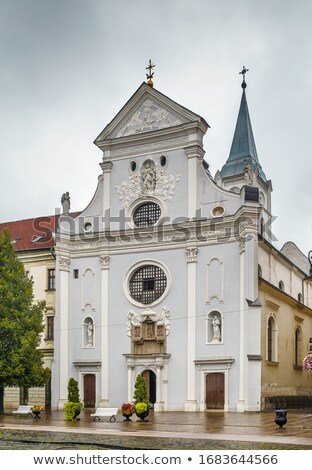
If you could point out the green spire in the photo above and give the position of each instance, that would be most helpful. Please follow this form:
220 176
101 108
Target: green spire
243 149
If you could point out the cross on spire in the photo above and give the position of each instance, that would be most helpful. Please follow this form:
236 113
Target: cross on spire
243 73
150 75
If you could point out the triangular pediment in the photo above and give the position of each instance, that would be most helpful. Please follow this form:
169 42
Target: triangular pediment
147 110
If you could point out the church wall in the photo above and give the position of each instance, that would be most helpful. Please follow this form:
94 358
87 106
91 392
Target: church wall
175 301
174 200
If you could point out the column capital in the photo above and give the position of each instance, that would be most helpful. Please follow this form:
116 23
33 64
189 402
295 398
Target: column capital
191 253
64 263
104 261
106 166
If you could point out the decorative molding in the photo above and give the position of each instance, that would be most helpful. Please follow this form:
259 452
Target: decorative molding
162 185
64 263
106 166
298 319
191 254
148 117
104 261
216 290
254 357
272 305
145 148
161 318
200 160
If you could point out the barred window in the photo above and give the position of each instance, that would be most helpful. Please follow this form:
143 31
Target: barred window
147 284
51 279
50 328
146 214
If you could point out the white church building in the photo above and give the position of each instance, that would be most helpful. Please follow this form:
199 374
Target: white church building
166 272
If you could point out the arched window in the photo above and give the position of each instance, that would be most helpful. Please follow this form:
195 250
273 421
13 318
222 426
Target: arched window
271 340
259 271
298 337
281 286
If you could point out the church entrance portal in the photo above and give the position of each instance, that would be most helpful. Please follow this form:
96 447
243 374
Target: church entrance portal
150 378
215 391
89 390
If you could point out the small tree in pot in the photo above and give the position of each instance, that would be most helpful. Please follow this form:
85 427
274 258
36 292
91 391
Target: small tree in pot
74 405
141 403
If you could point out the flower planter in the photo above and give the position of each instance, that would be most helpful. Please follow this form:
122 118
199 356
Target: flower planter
36 414
127 416
126 410
142 416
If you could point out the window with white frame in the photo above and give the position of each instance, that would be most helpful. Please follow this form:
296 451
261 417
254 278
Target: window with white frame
271 340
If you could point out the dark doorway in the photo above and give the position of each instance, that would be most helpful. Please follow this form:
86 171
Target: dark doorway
215 391
150 378
89 390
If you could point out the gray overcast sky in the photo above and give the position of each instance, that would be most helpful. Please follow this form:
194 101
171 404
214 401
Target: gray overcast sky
68 66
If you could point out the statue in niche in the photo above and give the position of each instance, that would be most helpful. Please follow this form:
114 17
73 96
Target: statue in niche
248 174
216 330
65 200
148 175
90 334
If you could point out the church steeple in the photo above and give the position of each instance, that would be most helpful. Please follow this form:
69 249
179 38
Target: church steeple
243 150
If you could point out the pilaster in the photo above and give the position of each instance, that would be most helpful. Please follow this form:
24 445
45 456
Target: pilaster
64 264
191 253
107 169
104 262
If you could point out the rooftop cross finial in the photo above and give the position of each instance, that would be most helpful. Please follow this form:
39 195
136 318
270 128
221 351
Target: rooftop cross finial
150 75
243 73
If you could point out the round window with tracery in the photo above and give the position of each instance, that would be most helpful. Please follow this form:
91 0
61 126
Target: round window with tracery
146 214
147 284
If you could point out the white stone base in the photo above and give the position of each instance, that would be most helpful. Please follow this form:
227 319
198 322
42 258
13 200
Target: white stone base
61 403
240 406
191 405
104 403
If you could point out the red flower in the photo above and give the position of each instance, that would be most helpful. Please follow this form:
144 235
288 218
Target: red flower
126 409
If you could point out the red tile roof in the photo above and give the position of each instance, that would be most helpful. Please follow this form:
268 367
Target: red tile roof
33 234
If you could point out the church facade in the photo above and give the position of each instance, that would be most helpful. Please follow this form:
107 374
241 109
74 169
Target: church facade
168 273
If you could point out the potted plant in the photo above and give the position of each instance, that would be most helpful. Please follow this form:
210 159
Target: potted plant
127 410
142 410
36 410
141 403
73 406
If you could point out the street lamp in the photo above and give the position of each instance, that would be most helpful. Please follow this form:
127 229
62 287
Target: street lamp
309 277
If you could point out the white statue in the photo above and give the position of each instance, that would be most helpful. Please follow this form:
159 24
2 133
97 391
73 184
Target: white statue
90 333
248 174
216 329
148 174
65 203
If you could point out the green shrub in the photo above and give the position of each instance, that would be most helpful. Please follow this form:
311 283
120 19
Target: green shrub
140 390
72 410
73 406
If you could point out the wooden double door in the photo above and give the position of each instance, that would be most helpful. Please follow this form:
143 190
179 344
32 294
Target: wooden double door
215 391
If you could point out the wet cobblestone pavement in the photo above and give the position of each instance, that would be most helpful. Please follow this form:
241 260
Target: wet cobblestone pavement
172 430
